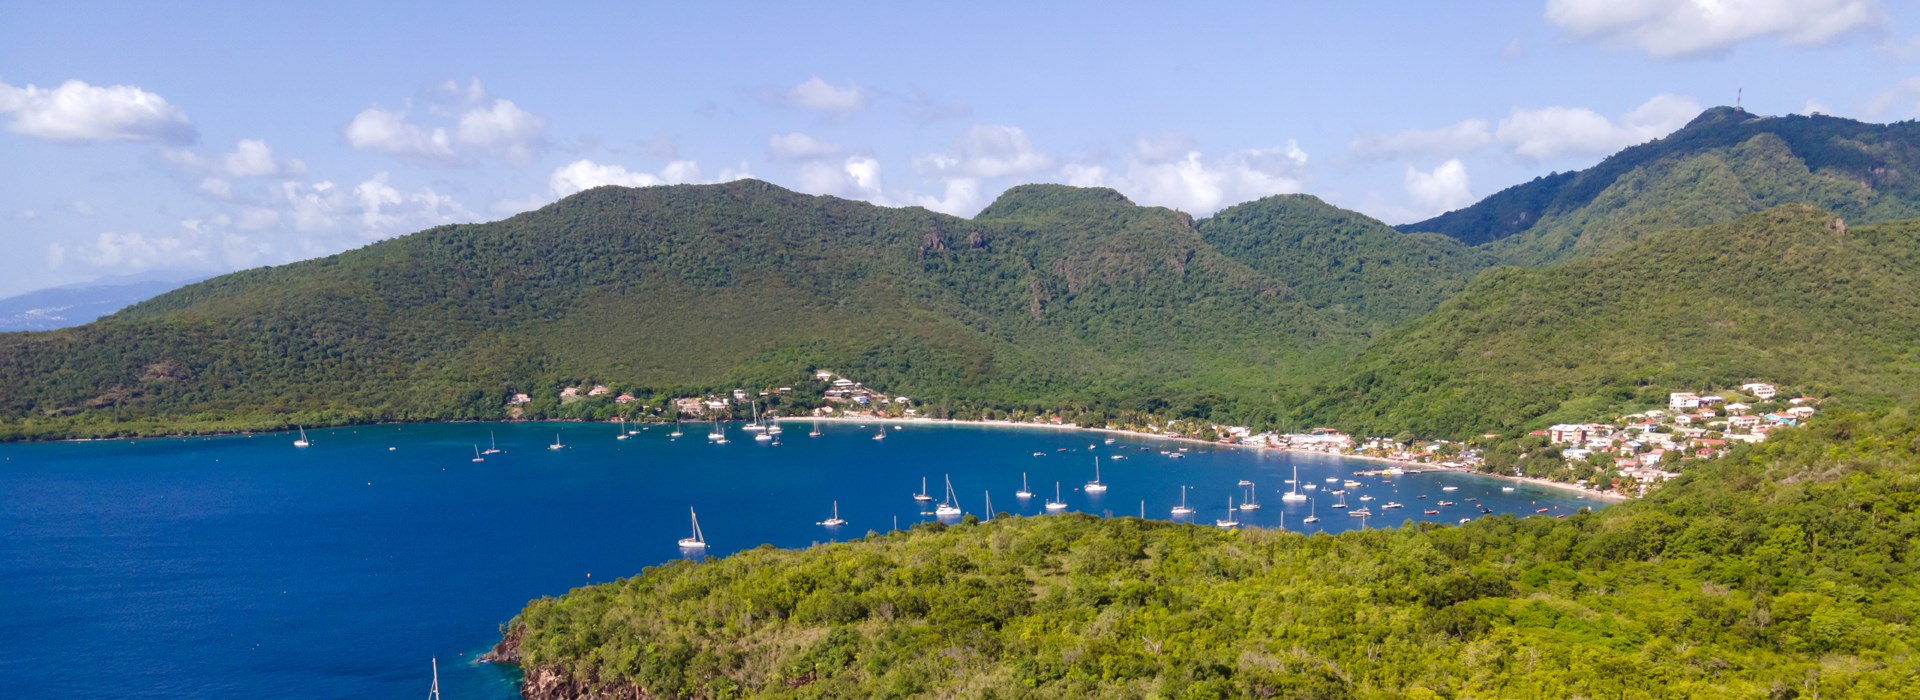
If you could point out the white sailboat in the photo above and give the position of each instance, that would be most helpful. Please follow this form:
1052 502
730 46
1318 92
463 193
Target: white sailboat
754 426
623 434
816 431
950 507
697 541
433 692
1228 523
1252 503
1312 514
718 436
882 435
1343 499
1056 503
556 443
834 521
1023 493
302 442
476 454
1095 486
1183 508
1293 495
989 496
761 436
676 429
493 445
922 496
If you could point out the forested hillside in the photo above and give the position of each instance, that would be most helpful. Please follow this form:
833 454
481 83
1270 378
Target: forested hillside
1343 262
1785 570
1053 297
1725 164
1794 295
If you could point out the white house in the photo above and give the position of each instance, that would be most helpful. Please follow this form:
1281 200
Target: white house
1567 433
1683 401
1761 390
1738 409
823 375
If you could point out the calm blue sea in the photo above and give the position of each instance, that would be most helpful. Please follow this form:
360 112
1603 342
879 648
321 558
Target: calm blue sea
245 567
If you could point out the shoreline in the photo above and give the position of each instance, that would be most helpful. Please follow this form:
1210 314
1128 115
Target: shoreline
1562 486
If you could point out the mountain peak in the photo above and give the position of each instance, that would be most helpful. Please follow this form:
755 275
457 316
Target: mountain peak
1718 115
1032 200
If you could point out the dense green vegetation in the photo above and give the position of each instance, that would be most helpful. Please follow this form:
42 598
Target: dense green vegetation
1786 570
1790 295
1725 164
1343 262
1054 297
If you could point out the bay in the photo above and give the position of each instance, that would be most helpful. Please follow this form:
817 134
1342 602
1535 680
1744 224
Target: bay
242 565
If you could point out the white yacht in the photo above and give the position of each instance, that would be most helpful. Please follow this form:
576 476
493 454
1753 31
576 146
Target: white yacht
834 521
697 541
1252 502
676 429
949 508
882 435
754 426
302 441
476 454
1183 508
493 445
1095 486
1228 523
1312 514
1023 493
1293 494
556 443
922 496
1056 503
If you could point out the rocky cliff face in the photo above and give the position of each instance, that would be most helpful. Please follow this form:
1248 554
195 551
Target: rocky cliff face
554 682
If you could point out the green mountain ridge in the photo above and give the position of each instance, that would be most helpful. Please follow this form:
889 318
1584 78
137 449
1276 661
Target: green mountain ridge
1724 164
1792 295
1054 296
1786 570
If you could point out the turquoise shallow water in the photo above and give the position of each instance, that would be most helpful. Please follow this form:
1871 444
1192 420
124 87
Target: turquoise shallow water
243 566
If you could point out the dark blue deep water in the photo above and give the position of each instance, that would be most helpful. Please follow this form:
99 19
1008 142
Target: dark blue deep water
245 567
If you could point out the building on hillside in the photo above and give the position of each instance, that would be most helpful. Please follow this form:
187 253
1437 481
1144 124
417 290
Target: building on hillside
570 392
1743 422
519 400
1568 433
1801 412
1760 390
1738 409
599 390
823 375
1710 399
623 399
693 405
1683 401
739 394
843 383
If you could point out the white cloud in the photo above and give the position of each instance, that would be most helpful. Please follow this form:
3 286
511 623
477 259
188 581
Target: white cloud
820 95
480 128
858 177
583 174
1900 101
1816 107
76 111
81 207
250 158
137 251
986 151
798 146
1513 51
385 209
1445 188
29 215
961 198
1552 132
1454 140
1199 186
1689 28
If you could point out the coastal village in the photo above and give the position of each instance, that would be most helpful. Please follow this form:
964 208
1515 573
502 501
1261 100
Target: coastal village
1619 455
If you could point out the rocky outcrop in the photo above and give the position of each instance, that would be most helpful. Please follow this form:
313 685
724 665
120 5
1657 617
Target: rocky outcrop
508 650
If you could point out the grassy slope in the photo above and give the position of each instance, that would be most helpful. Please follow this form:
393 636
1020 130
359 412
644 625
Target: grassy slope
1786 568
1783 296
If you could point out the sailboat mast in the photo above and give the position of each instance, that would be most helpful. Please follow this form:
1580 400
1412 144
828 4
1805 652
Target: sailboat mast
433 693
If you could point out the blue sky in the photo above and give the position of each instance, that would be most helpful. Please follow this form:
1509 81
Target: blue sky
159 139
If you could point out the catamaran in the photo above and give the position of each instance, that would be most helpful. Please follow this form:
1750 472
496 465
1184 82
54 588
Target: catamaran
1023 493
1095 486
922 496
1293 495
476 454
697 541
1229 523
950 507
1183 509
493 445
302 442
1056 503
834 521
556 443
1312 514
1252 502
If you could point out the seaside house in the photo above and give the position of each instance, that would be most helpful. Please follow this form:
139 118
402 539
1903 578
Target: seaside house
1568 433
1800 412
1738 409
623 399
1760 390
690 405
